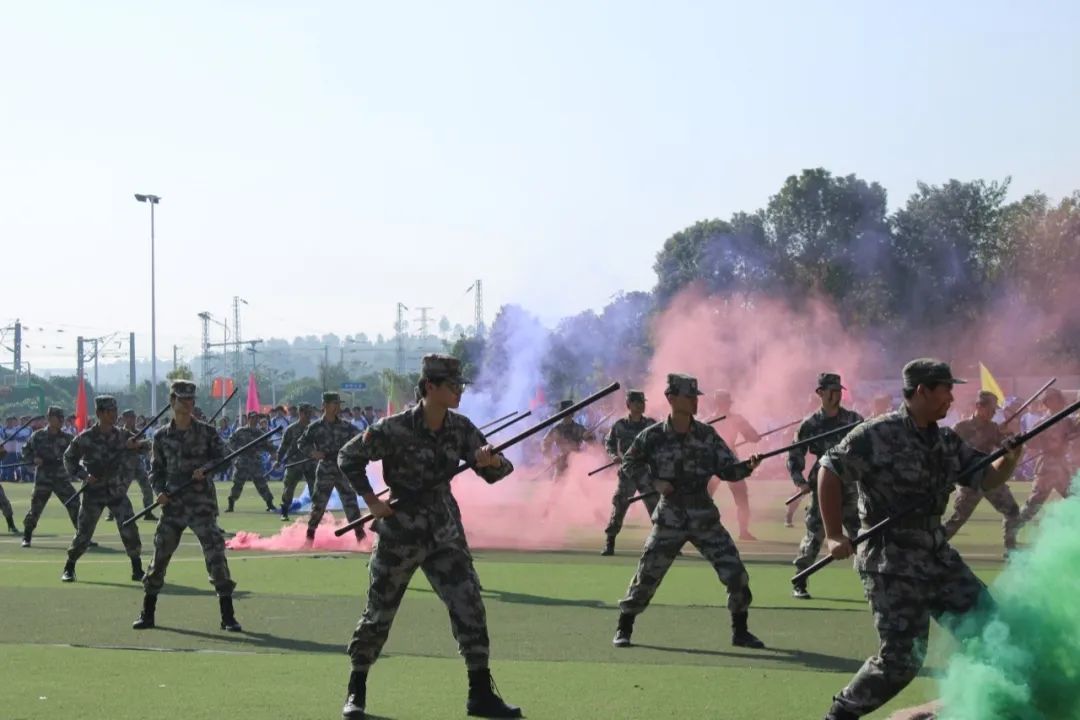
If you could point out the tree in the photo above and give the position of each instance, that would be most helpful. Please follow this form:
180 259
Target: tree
182 372
444 326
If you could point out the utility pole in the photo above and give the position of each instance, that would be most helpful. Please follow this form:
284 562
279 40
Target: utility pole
95 341
401 325
477 288
79 352
131 363
175 348
239 366
18 348
205 318
423 320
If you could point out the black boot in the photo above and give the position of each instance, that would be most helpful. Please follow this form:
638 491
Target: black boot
740 636
232 505
357 698
624 630
69 572
26 539
838 713
284 512
145 620
609 546
270 507
799 591
11 525
484 700
228 617
136 569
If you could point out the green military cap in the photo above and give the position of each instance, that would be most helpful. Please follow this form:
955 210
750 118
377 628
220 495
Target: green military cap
635 396
183 389
987 398
928 371
103 403
829 381
331 397
128 412
55 411
565 404
680 384
437 367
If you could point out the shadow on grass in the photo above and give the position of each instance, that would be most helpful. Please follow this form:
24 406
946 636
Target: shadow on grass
802 658
261 640
168 589
527 599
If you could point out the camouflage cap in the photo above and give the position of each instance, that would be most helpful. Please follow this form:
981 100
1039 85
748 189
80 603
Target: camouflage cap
183 389
104 403
565 404
128 412
829 381
331 397
55 411
441 367
986 398
635 396
680 384
927 371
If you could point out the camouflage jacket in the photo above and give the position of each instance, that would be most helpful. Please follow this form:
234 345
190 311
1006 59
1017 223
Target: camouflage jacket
687 461
1053 442
417 465
566 437
815 424
250 461
622 434
324 436
986 437
134 461
287 450
50 448
894 464
178 453
98 453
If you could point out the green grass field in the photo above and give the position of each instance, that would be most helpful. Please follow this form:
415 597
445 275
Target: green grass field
69 650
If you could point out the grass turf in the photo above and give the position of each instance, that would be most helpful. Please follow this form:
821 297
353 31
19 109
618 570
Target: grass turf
70 652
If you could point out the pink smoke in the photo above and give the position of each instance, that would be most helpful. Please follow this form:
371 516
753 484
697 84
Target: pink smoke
294 537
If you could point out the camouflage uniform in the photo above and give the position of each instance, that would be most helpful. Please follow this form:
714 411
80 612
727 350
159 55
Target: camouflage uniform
100 454
911 573
1052 467
134 470
288 452
176 454
51 478
619 439
816 424
249 466
565 437
687 515
324 436
425 530
984 436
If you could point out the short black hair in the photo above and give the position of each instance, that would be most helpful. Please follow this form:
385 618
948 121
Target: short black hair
910 392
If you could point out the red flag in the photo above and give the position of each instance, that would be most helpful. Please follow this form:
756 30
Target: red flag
252 395
80 406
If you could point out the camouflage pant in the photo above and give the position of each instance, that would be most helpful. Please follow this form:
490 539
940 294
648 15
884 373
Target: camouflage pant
44 488
197 511
625 490
902 608
1002 500
148 496
815 528
5 504
449 568
242 474
1050 474
325 482
661 547
94 501
292 479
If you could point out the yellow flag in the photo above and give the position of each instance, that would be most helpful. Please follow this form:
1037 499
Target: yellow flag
989 384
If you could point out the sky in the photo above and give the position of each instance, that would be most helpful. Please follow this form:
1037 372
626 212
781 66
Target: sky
325 161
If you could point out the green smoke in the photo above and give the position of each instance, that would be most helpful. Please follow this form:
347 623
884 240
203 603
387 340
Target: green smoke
1025 664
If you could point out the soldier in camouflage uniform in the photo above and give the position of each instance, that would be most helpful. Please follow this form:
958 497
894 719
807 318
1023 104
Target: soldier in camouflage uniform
5 504
618 441
419 449
830 416
910 573
288 453
181 451
249 466
986 436
681 455
322 440
565 437
735 425
1052 467
135 465
96 457
45 449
